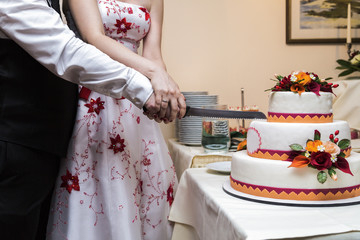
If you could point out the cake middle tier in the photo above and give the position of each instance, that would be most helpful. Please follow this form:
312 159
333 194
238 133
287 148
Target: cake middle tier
272 140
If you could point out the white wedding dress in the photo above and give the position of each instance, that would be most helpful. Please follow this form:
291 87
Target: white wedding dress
118 180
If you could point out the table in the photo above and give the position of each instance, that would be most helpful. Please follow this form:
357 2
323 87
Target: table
185 156
202 210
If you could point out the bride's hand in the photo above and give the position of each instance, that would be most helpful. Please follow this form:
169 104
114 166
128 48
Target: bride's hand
167 94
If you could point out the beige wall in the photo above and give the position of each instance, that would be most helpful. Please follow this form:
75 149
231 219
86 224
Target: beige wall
222 46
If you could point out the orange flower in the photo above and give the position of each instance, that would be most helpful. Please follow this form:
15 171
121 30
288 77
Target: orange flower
298 88
241 145
303 78
300 161
311 146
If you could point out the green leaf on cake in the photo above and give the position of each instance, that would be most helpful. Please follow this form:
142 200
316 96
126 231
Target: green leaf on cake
321 176
296 147
341 154
317 135
344 143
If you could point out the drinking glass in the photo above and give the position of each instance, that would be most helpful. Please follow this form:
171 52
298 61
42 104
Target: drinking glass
215 132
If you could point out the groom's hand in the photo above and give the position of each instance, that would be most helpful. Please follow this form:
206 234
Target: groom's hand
152 110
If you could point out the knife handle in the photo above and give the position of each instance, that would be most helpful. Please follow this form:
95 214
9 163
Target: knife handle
187 110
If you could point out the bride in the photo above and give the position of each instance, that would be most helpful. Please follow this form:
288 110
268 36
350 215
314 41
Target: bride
118 180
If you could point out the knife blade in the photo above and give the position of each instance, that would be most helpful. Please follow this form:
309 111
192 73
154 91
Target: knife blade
214 113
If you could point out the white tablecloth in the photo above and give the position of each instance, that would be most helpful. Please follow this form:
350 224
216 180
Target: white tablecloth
185 157
202 205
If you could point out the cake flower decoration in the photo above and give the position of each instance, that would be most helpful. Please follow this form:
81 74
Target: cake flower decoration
322 156
299 82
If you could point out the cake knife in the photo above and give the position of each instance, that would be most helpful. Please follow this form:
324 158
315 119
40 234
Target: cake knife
214 113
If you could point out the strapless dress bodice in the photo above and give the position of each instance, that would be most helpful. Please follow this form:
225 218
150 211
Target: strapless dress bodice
125 22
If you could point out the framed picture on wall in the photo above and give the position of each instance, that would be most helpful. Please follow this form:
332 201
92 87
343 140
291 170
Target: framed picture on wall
321 21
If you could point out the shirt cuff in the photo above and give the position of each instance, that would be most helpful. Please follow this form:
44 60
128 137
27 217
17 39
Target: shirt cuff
138 90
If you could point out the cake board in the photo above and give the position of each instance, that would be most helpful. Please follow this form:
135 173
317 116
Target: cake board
291 203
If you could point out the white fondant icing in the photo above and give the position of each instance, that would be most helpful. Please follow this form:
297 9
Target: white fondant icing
307 102
279 136
269 173
254 135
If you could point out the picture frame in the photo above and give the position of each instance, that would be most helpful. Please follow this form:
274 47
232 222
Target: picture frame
308 23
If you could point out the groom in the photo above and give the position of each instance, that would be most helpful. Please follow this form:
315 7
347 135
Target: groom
37 108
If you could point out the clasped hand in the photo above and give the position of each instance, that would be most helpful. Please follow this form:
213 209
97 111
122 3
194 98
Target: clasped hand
166 103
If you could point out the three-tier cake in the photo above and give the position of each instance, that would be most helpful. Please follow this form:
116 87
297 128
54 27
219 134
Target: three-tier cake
299 152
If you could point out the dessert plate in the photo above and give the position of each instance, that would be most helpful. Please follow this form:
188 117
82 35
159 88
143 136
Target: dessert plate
293 203
223 167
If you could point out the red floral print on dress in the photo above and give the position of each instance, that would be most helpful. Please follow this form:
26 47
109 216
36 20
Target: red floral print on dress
122 26
138 120
117 144
170 195
130 10
147 15
70 182
95 105
146 161
141 185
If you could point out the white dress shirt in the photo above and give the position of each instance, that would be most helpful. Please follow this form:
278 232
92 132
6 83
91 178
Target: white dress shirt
38 29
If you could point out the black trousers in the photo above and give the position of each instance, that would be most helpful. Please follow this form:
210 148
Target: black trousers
27 178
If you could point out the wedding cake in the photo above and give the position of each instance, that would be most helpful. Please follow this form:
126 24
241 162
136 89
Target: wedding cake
299 152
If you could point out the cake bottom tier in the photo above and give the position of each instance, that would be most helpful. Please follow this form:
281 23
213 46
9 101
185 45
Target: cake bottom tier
274 179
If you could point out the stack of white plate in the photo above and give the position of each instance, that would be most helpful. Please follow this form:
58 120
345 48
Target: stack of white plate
188 129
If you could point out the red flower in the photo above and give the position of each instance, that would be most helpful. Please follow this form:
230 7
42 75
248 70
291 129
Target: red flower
343 165
285 83
95 105
138 120
122 26
70 182
170 195
321 160
117 144
130 11
314 87
147 15
146 161
326 88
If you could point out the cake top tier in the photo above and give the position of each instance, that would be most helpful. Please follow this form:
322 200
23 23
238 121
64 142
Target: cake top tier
305 108
301 97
